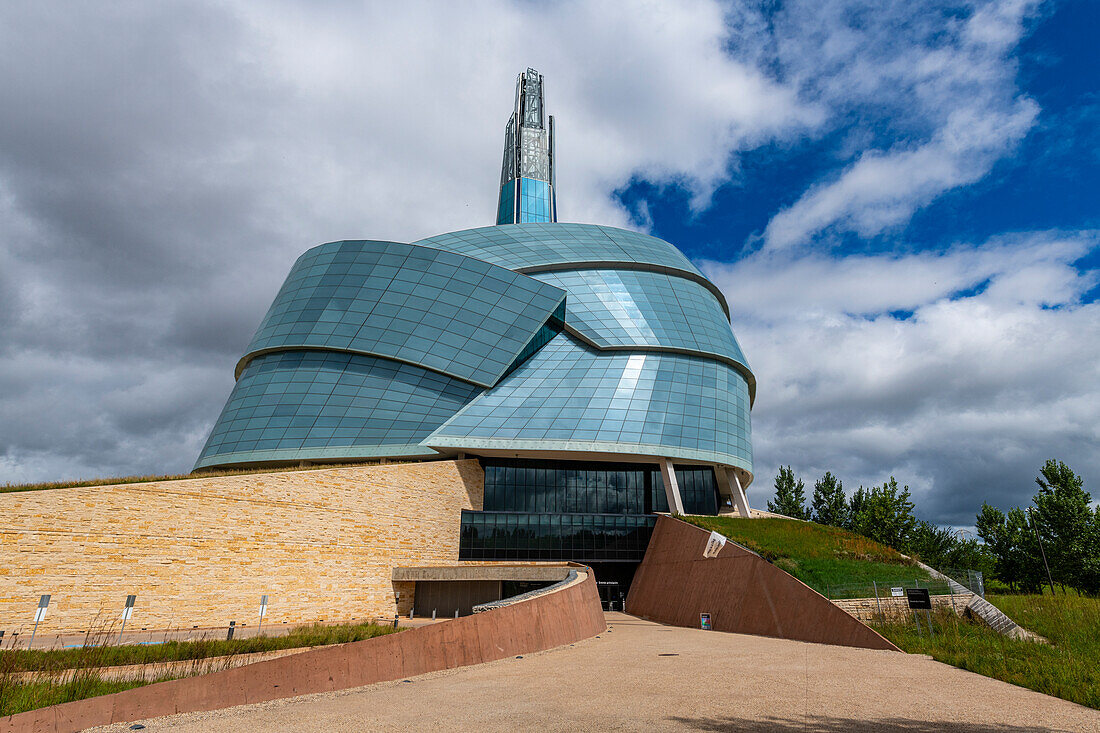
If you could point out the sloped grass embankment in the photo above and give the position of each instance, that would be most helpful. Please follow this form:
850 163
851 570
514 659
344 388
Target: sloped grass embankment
1068 667
832 561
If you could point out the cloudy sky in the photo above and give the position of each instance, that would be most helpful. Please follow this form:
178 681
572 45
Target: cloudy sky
900 201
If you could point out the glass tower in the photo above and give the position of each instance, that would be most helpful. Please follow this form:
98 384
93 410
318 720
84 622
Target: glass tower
527 174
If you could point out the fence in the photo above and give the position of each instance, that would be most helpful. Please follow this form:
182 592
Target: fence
970 580
868 599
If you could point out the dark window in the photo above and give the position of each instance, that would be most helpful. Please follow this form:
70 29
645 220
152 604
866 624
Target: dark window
577 537
571 487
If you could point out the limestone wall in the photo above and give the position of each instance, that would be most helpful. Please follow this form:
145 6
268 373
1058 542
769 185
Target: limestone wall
868 609
321 544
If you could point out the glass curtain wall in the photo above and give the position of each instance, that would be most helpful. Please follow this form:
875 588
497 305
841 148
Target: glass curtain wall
557 510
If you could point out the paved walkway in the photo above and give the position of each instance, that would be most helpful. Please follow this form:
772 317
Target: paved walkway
643 676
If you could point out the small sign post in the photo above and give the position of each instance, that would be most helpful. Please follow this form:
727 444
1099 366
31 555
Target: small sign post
704 621
920 600
897 592
127 612
715 543
263 612
39 614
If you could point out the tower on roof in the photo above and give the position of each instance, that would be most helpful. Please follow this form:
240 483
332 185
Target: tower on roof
527 174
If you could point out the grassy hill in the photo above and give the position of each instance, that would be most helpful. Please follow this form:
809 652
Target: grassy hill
1068 667
832 561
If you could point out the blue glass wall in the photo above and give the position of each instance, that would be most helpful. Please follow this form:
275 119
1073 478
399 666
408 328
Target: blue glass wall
507 203
529 337
570 397
300 405
632 308
457 315
534 201
535 246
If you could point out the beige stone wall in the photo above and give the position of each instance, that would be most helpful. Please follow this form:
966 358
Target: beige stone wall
321 544
867 609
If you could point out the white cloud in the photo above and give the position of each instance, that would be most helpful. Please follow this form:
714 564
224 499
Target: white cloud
993 368
950 90
161 167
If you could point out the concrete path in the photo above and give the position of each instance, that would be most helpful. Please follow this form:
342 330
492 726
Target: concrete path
643 676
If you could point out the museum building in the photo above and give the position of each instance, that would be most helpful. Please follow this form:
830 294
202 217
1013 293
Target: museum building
591 370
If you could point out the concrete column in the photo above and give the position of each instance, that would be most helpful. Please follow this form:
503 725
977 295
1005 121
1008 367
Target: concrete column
729 477
672 489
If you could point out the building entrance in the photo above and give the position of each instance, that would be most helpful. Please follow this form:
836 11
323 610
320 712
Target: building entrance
613 581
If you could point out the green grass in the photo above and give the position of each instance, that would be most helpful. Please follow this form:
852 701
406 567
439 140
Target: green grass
93 656
831 560
20 697
1068 667
115 481
71 674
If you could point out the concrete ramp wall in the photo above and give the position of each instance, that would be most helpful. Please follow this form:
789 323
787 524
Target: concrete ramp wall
742 592
554 619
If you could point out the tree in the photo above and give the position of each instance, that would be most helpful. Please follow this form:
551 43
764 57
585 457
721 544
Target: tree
932 544
1010 540
884 514
1064 519
790 496
855 507
829 503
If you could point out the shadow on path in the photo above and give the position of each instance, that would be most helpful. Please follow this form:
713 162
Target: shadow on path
826 724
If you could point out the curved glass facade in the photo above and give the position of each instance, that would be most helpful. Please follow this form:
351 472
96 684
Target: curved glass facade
457 315
631 308
548 340
571 398
536 247
302 405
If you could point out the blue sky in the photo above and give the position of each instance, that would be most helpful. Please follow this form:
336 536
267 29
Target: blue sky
1051 181
899 200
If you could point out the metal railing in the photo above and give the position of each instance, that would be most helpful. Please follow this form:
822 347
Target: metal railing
894 587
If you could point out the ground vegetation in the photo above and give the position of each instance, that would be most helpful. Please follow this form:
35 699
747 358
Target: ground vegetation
35 678
1067 667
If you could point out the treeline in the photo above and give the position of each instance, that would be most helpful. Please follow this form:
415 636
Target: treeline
884 514
1062 523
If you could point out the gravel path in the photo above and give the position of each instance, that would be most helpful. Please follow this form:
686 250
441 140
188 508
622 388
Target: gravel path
643 676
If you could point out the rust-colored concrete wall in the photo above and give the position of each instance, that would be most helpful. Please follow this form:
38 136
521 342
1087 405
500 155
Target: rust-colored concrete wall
742 592
321 544
561 617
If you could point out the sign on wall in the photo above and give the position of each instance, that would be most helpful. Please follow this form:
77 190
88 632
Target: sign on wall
43 604
715 543
128 611
897 592
704 621
919 599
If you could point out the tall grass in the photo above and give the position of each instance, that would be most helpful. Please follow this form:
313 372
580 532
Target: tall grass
65 675
23 696
822 557
96 653
1068 667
